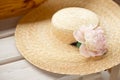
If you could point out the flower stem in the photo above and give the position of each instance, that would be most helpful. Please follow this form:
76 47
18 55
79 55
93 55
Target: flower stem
78 44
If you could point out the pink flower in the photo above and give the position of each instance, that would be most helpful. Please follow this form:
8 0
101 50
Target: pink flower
92 39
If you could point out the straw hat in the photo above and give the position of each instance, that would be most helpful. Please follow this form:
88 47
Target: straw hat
37 43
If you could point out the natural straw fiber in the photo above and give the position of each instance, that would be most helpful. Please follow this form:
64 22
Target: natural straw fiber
37 44
67 20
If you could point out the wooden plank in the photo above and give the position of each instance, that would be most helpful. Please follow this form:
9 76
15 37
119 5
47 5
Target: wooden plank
22 70
96 76
71 77
114 73
8 51
105 75
9 23
7 33
7 26
9 8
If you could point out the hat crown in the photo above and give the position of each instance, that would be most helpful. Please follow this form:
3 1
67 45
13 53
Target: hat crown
67 20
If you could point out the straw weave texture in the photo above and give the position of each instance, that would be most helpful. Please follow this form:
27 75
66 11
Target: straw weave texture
35 41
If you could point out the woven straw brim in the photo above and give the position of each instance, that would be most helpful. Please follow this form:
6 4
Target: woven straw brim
35 41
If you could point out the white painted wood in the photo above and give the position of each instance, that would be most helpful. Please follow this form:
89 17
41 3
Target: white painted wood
71 77
96 76
105 75
6 33
119 75
8 50
22 70
114 73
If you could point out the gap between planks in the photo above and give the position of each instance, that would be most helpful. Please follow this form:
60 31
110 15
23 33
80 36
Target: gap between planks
7 33
22 70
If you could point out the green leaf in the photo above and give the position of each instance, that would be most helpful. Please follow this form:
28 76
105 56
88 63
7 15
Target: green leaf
78 44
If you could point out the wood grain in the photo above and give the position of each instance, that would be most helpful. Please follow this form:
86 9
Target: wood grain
10 8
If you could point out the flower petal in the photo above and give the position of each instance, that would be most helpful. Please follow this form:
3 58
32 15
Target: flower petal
83 51
78 35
